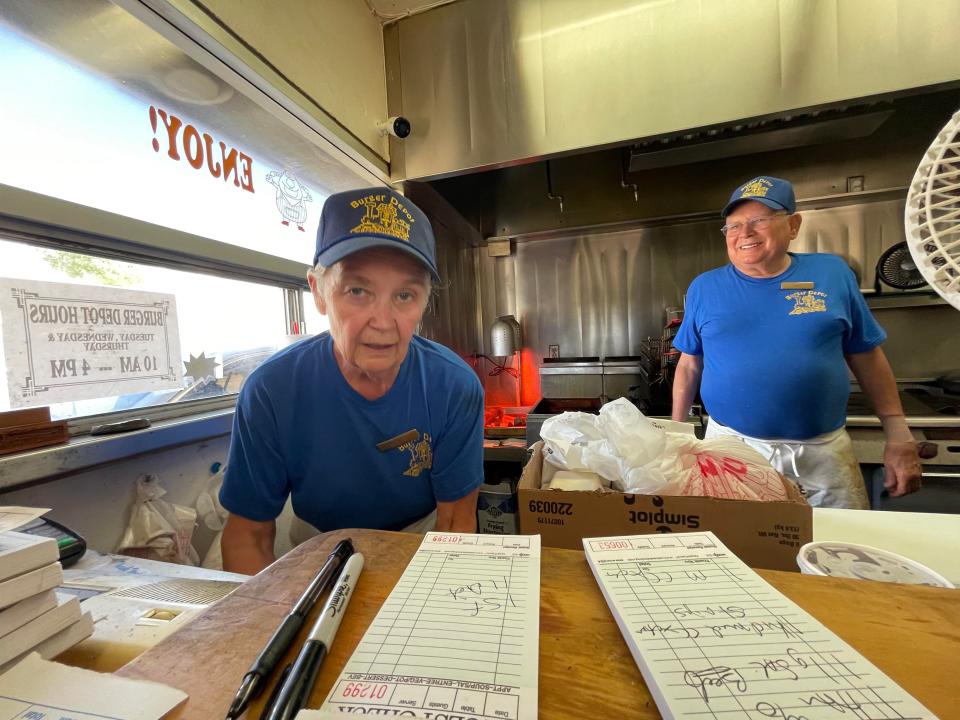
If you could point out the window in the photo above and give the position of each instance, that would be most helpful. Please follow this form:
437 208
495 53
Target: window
128 166
226 327
315 322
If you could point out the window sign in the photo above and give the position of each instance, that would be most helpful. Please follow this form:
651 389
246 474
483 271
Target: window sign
217 167
201 150
71 342
226 327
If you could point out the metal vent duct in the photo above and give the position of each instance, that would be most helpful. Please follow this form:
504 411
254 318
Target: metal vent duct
747 137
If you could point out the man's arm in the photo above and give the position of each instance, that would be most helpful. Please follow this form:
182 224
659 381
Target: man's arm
686 382
900 459
459 515
247 545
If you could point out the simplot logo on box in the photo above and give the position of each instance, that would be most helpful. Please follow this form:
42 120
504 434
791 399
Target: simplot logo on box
662 520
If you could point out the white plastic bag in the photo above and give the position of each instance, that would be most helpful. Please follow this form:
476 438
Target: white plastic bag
565 436
214 516
213 560
211 512
601 457
159 530
633 437
620 445
635 456
722 467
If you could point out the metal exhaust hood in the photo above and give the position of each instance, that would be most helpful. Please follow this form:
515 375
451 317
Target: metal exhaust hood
756 136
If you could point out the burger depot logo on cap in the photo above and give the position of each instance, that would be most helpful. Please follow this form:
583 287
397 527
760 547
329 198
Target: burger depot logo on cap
773 192
383 217
373 217
756 188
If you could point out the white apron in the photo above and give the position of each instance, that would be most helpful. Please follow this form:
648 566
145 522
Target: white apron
824 467
301 530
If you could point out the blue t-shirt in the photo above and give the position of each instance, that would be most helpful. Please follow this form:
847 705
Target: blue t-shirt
773 358
301 430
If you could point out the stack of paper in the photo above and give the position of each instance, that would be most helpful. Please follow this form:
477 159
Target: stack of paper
713 640
457 637
32 616
35 688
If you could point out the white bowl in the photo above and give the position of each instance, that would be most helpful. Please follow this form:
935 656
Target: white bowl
863 562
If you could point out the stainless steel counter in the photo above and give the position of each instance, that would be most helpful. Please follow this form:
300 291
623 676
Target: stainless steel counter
922 421
868 442
505 454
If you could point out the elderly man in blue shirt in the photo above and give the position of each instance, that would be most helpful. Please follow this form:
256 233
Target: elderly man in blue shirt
768 339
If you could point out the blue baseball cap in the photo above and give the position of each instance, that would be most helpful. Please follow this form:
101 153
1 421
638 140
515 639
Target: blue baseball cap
373 217
773 192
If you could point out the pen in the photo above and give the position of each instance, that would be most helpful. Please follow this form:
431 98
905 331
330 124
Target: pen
298 684
272 700
268 658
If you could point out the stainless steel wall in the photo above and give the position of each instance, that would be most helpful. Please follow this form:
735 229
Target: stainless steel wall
493 82
453 317
604 293
858 233
923 342
599 294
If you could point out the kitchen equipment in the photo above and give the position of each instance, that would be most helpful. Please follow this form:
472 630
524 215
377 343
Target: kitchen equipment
622 377
918 400
572 377
658 363
501 422
504 336
950 382
898 270
548 407
933 415
932 216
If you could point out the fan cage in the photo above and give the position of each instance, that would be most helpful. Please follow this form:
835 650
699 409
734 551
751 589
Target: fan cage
895 273
932 219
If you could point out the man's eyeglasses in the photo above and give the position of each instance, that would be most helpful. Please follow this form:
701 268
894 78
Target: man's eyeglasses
757 223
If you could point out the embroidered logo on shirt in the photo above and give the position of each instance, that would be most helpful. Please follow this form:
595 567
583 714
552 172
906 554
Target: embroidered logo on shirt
383 218
421 455
808 301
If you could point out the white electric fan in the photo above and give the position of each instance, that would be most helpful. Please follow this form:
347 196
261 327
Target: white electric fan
932 218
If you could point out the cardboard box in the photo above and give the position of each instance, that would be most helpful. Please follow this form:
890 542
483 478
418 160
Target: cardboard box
762 534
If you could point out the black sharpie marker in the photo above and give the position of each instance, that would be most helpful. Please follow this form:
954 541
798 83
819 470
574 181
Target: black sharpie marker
271 655
298 684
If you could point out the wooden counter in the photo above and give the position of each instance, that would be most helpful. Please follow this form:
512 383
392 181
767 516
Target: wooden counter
586 671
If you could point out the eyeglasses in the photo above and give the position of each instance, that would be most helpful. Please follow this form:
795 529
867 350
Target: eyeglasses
757 223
